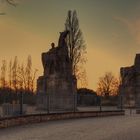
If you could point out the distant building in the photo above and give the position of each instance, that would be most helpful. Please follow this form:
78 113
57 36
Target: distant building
129 90
86 97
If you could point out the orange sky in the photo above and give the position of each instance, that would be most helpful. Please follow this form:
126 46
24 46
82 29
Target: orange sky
112 36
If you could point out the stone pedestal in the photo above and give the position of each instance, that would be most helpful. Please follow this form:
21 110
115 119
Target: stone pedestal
57 93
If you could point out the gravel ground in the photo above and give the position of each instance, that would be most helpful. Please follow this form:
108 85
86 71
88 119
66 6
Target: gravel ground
105 128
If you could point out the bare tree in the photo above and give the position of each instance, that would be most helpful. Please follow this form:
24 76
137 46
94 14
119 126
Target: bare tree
75 42
17 81
22 76
3 74
27 76
108 85
10 75
82 78
28 72
33 80
15 74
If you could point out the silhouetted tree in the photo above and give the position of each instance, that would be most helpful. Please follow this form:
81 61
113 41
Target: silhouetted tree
22 76
28 72
86 91
82 77
16 81
30 75
108 85
76 44
3 74
10 75
33 80
15 74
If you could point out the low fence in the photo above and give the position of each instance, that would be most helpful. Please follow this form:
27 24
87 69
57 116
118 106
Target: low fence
137 111
36 118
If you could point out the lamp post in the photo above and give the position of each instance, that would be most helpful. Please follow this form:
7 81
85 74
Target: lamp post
130 106
75 101
21 96
48 103
21 102
121 100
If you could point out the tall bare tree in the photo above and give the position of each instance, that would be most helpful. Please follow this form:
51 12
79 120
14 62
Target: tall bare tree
75 42
3 74
32 88
22 76
27 75
108 85
28 72
82 78
15 74
10 74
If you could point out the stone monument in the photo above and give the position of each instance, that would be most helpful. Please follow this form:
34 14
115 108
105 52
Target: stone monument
129 89
57 88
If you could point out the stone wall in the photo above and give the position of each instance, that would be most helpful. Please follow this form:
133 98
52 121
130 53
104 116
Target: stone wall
37 118
130 86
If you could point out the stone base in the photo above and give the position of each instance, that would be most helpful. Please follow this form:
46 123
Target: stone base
57 94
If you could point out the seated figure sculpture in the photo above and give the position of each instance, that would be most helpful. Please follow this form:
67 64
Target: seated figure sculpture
57 88
57 59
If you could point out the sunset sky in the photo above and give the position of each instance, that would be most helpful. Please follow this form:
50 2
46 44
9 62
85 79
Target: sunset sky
111 30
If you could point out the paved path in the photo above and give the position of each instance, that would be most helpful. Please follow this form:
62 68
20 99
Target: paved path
106 128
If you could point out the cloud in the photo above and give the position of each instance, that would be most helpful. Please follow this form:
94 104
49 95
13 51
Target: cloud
133 26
